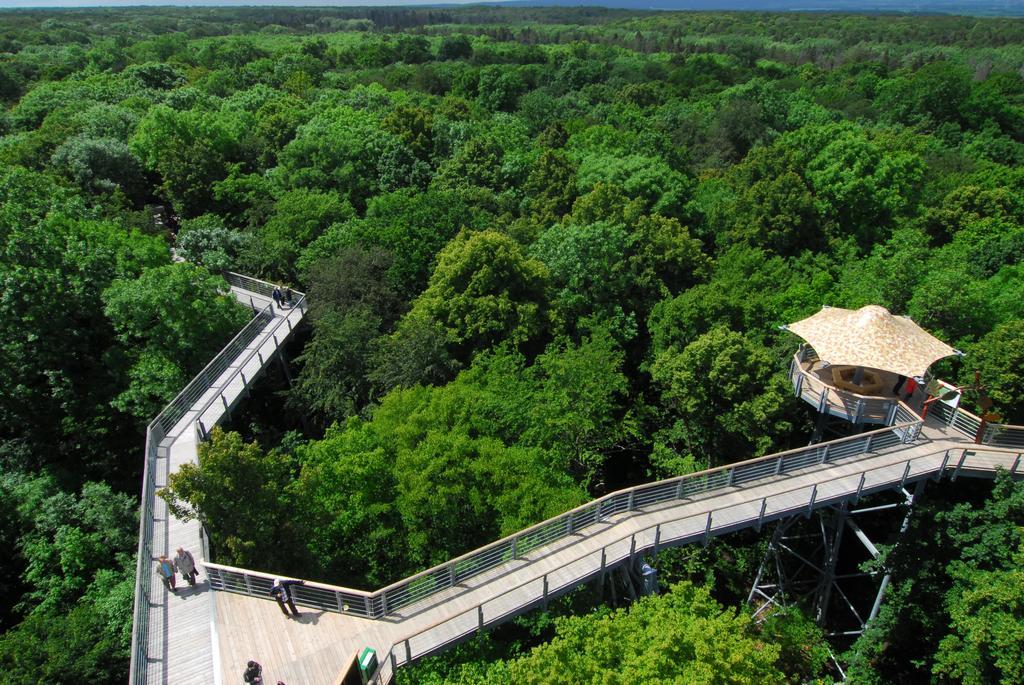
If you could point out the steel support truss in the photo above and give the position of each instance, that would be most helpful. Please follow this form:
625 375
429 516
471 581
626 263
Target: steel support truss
807 564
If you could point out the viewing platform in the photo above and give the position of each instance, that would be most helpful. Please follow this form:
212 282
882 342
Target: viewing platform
816 382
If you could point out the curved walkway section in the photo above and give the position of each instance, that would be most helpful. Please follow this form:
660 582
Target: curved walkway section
426 613
174 635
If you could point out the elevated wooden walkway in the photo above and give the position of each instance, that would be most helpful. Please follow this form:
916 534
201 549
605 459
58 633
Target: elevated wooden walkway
204 636
311 649
174 639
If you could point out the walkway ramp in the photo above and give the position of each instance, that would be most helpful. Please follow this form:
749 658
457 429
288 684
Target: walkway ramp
610 531
173 640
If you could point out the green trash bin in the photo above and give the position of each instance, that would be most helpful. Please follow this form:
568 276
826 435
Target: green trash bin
367 663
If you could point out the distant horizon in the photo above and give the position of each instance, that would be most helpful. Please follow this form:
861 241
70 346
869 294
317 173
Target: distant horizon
979 8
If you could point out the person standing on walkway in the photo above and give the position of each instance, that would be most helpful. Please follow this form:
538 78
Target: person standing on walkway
277 296
253 673
288 296
165 569
186 565
282 592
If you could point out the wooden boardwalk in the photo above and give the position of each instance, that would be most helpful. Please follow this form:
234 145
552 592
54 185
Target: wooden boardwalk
202 635
312 648
182 645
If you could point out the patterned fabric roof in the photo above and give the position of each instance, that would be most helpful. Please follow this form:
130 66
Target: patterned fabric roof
871 337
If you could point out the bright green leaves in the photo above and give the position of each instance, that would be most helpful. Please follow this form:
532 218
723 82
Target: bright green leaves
987 622
683 636
723 393
191 151
238 491
485 290
174 319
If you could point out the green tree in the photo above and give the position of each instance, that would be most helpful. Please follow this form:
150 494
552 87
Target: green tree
485 290
58 370
238 492
987 638
727 402
190 150
173 319
681 636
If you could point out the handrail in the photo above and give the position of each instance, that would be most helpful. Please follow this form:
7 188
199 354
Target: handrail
299 306
425 584
256 285
156 431
401 652
959 419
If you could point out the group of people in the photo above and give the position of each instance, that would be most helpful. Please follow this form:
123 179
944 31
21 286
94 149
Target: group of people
185 564
182 563
282 297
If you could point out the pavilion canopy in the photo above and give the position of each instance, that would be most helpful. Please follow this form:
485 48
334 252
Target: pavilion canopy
873 338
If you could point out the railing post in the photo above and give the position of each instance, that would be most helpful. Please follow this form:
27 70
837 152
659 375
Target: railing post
680 489
814 496
824 454
604 561
890 417
515 544
1016 463
259 353
867 443
859 411
799 383
906 474
408 652
707 531
629 502
778 466
632 547
657 540
451 575
367 606
942 469
959 465
860 486
568 525
384 604
760 517
544 595
732 474
480 616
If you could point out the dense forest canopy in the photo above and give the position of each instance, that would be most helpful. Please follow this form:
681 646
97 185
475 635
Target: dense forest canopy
546 253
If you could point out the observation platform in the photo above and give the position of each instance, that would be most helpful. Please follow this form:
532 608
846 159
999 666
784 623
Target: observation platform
209 636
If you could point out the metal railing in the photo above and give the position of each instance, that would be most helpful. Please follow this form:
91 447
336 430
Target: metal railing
426 584
688 529
300 306
968 424
254 285
842 403
860 408
159 429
